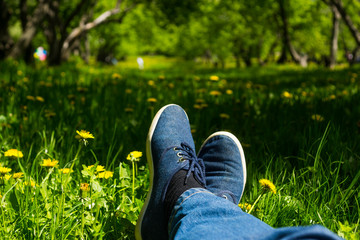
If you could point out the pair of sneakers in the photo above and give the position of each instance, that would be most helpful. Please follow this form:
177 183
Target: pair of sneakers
220 165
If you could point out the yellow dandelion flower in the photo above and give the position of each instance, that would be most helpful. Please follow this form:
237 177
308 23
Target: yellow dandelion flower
66 170
161 77
214 78
81 89
13 153
134 156
245 206
128 110
49 163
106 174
332 97
84 134
317 117
224 115
49 113
101 175
40 99
204 105
197 106
267 185
18 175
19 73
171 85
128 91
116 76
100 168
4 170
30 183
90 167
31 98
286 94
84 187
151 83
152 100
7 176
215 93
229 92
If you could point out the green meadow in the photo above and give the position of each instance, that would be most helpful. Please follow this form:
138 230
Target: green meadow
300 129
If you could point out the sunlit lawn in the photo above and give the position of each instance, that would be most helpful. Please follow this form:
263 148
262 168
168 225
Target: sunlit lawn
299 128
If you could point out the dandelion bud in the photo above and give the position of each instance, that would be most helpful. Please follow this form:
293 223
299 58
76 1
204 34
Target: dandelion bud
84 190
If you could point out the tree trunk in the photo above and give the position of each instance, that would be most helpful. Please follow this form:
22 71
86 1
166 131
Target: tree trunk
54 34
83 28
30 30
334 36
354 31
302 59
28 51
6 42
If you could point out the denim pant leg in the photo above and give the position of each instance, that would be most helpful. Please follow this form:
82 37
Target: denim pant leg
199 214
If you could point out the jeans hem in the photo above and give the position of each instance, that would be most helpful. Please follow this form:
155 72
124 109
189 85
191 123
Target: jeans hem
183 197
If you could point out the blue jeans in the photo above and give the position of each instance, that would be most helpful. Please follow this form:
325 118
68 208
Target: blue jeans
199 214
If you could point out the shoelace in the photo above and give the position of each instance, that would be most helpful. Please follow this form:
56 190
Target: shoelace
196 164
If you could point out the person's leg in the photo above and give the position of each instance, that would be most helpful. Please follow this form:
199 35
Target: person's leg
177 181
199 214
206 214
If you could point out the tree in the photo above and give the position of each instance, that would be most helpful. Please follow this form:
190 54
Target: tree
6 42
334 35
338 5
30 28
85 25
63 24
286 40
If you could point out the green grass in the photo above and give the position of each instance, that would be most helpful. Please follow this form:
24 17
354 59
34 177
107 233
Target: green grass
299 128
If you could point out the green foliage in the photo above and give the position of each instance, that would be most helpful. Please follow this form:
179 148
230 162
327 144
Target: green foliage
348 231
249 31
299 128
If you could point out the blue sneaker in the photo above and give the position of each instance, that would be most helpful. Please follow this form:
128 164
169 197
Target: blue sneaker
225 167
169 148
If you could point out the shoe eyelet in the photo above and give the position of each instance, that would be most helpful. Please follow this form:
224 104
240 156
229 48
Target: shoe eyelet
224 196
178 154
175 148
181 159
